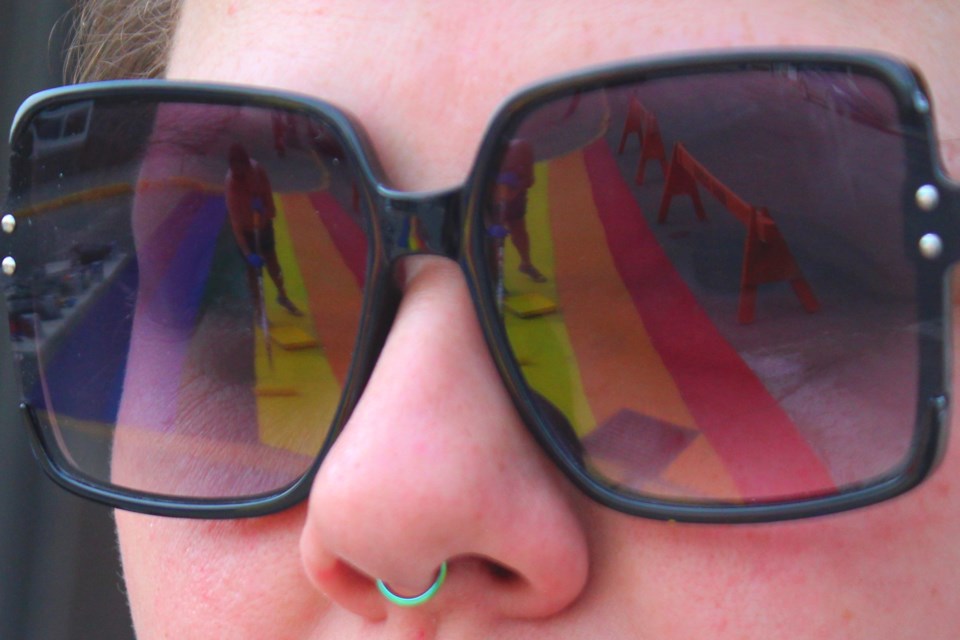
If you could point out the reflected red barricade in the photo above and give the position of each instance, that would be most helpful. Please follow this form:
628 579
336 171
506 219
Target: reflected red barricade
766 256
643 123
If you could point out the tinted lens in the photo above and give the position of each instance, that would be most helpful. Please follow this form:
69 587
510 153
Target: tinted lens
187 292
705 278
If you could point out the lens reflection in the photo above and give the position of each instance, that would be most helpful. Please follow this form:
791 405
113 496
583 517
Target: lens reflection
721 306
190 291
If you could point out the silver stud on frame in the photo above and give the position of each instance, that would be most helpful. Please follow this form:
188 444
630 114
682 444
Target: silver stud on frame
9 265
928 197
8 223
931 246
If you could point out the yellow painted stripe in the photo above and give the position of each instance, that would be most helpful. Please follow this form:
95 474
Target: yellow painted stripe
619 365
298 395
541 343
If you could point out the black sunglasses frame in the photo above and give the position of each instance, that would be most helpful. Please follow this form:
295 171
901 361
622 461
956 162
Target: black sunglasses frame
452 226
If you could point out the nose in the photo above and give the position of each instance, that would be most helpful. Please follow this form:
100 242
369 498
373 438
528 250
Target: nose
435 466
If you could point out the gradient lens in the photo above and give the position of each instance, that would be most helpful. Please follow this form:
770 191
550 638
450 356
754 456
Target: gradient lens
704 280
188 291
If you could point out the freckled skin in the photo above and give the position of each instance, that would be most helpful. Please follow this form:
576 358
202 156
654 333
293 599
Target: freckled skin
424 77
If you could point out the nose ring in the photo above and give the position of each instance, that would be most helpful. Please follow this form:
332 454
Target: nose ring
413 601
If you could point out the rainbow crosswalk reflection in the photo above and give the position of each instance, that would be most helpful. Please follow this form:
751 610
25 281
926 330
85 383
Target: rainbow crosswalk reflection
662 402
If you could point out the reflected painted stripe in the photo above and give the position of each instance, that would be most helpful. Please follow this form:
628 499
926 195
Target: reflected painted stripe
346 234
332 290
619 365
541 343
297 396
759 444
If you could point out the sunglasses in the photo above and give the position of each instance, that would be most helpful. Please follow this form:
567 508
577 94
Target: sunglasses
714 286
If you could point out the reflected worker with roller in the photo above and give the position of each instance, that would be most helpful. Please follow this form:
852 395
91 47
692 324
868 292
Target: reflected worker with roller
513 182
249 199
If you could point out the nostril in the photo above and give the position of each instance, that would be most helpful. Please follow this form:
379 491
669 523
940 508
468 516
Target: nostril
501 573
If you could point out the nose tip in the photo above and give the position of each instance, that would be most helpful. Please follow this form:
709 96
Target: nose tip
435 466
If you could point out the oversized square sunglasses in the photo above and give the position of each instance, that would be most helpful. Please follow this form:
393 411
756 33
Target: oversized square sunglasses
714 286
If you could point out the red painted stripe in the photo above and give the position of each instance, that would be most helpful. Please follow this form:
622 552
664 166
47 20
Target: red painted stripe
345 232
760 446
334 299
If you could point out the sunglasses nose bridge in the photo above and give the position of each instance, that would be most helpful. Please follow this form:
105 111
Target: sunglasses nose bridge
421 223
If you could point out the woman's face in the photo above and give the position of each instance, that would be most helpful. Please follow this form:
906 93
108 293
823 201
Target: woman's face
529 555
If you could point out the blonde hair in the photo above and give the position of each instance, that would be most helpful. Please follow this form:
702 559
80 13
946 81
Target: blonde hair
121 39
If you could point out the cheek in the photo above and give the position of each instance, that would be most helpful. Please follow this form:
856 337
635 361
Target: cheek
858 574
210 579
950 150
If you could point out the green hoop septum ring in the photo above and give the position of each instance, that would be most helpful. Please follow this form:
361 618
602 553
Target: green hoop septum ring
413 601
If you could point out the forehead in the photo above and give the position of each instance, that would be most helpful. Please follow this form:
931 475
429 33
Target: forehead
425 87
